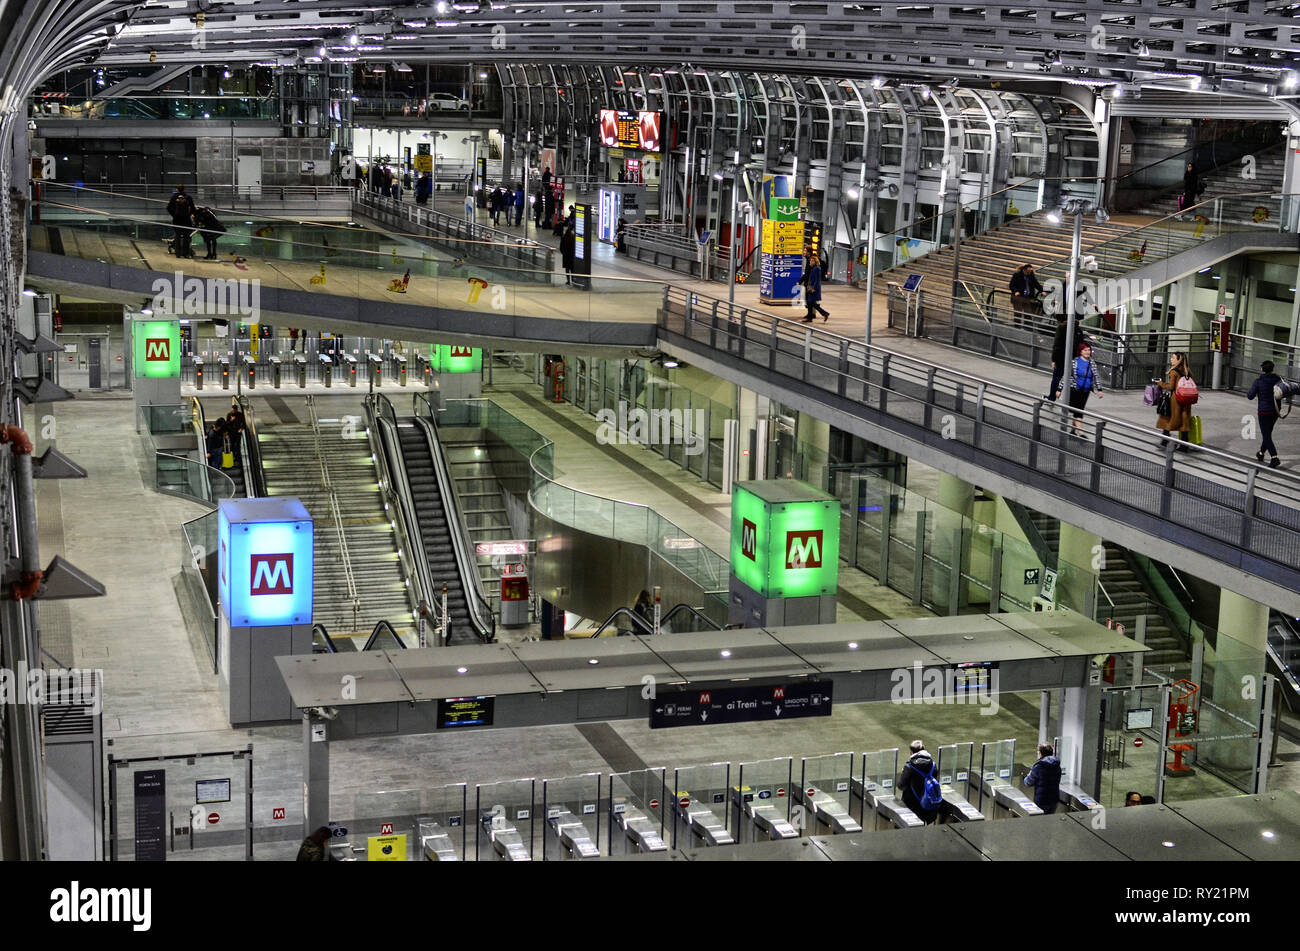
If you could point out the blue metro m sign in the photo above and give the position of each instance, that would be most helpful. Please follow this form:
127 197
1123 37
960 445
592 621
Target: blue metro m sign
265 556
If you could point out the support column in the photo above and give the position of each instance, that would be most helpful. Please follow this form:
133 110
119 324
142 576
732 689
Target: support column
315 774
1238 662
1077 569
1081 732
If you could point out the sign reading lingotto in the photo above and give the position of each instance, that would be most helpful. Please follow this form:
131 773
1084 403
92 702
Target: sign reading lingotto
701 706
785 539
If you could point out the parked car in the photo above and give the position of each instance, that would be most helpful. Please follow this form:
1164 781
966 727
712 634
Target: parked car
441 100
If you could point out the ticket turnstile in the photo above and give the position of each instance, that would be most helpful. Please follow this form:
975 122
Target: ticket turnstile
701 821
250 370
995 781
198 373
764 813
573 836
1076 799
300 369
375 366
436 844
639 828
875 787
326 370
275 372
831 815
507 843
225 372
400 362
350 364
954 766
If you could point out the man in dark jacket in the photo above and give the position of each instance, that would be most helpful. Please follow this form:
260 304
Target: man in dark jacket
1058 356
1045 777
1191 187
812 290
1262 390
211 228
1025 291
911 781
181 208
568 246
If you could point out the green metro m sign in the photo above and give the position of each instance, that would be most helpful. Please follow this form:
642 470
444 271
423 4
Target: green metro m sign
156 350
785 538
450 358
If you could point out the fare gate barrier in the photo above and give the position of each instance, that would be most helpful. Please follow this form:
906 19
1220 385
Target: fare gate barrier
350 363
504 813
275 372
572 809
224 362
997 763
399 370
300 371
1074 797
327 370
954 767
375 366
636 811
250 370
824 795
760 801
699 802
186 807
875 788
442 826
198 373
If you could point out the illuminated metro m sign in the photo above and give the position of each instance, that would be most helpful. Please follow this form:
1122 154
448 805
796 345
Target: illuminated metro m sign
454 358
785 538
156 352
266 562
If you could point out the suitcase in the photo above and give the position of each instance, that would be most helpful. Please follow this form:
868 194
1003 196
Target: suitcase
1194 432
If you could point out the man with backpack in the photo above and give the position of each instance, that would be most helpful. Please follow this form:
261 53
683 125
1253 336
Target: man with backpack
1045 777
918 784
1266 389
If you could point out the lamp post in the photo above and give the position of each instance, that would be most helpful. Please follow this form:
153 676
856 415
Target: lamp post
736 172
1076 208
871 190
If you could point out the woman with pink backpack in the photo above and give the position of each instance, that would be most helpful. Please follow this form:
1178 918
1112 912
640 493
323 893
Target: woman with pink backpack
1175 405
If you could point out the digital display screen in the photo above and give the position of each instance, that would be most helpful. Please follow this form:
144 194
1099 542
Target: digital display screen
973 676
464 711
212 790
630 130
1141 719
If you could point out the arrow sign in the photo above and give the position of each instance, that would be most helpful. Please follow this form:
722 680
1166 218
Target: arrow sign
743 704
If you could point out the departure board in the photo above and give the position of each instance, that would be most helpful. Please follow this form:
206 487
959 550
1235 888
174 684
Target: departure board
464 711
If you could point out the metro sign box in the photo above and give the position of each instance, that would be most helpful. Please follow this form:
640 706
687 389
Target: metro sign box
264 561
450 358
156 352
785 538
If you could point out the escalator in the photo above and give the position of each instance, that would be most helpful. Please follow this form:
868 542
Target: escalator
1284 658
680 619
434 524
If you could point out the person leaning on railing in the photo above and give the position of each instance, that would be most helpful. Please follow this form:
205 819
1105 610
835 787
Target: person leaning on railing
1025 293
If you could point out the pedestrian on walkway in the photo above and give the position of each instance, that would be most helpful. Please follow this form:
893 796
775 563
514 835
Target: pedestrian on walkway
1191 188
520 198
1025 292
1058 357
181 208
812 291
1262 390
568 245
1045 778
1085 384
1174 416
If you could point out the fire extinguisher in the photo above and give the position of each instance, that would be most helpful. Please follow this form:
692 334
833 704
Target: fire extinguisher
58 321
559 381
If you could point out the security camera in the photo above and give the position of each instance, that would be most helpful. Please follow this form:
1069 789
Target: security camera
323 713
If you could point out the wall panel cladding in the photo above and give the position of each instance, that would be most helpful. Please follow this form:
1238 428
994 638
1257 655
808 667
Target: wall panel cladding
281 159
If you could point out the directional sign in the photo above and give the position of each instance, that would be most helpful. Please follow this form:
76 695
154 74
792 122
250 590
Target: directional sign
791 701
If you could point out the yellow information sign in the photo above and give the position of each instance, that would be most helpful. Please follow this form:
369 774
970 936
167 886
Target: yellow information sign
423 164
386 848
782 237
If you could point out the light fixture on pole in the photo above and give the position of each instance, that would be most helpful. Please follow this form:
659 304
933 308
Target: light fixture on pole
737 173
872 189
1075 208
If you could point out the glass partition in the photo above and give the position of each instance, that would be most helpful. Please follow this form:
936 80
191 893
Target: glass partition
572 809
381 826
954 767
997 762
699 799
1134 720
830 774
504 813
761 798
879 770
442 825
636 804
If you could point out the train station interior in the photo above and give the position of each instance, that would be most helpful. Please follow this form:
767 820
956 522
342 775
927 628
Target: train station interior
473 431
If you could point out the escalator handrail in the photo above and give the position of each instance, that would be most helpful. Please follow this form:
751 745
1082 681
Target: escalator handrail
325 636
254 474
637 621
378 629
387 448
664 619
471 583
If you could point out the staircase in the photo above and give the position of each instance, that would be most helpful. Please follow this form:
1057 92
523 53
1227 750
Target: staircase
990 258
290 461
435 529
481 505
1226 182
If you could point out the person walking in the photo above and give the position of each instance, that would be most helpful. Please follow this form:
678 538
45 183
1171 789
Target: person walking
1045 778
1191 188
912 782
1058 357
211 229
1174 416
812 290
1262 390
1085 384
520 198
539 207
181 208
568 244
1025 291
644 609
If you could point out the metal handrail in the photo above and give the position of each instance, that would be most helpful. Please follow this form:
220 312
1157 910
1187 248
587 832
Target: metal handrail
336 514
379 628
636 619
397 492
915 382
683 606
254 473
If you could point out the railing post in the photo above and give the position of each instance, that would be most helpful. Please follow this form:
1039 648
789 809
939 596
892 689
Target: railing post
929 395
771 352
1167 491
884 381
1098 453
1248 508
1035 434
843 381
918 566
979 415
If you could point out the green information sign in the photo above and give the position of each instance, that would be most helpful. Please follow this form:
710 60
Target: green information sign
785 538
450 358
783 209
157 348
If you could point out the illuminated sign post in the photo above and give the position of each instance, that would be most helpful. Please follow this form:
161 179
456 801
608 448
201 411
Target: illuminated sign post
785 551
156 352
781 261
631 130
451 358
264 565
